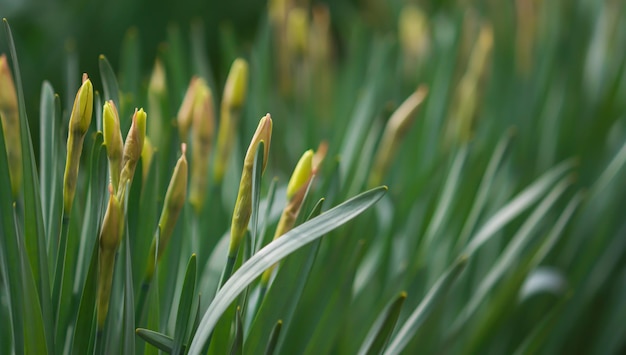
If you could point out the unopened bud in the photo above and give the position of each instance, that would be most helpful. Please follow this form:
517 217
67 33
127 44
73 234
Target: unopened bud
396 128
185 113
202 137
297 31
9 116
146 157
80 120
232 101
243 205
113 141
172 205
301 174
110 237
132 149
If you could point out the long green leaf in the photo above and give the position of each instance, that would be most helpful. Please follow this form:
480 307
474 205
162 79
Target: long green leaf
512 253
381 330
277 250
434 297
516 206
160 341
237 345
284 294
10 252
84 327
34 228
184 307
273 339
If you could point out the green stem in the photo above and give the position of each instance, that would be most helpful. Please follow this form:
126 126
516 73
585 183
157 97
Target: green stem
60 266
141 304
228 270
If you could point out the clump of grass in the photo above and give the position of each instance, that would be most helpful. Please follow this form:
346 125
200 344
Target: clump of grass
499 232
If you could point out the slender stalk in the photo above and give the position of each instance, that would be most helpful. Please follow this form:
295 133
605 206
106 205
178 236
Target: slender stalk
60 265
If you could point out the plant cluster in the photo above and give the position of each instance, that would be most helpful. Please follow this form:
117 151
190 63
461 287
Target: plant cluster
143 219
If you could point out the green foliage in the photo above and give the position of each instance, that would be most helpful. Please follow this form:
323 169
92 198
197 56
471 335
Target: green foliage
500 230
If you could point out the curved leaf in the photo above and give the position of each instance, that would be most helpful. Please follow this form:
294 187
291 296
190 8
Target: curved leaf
274 252
383 327
434 296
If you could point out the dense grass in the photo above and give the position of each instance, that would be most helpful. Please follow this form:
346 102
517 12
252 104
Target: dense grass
498 129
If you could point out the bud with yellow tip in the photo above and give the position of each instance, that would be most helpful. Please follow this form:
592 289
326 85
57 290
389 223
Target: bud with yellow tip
113 141
132 150
147 153
172 205
110 237
301 174
80 119
243 205
202 137
9 116
232 101
297 31
296 189
396 128
185 113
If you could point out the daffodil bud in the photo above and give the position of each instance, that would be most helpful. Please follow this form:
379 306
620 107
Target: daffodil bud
172 205
202 137
146 156
236 86
296 189
232 102
243 205
157 106
110 237
397 126
80 119
185 113
414 35
132 149
113 141
301 174
465 103
9 115
297 31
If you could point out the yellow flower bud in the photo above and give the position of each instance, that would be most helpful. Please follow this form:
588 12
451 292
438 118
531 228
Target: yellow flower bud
301 174
110 237
232 101
185 113
465 104
9 116
396 128
243 205
80 119
297 31
236 85
172 205
132 150
113 141
202 135
146 156
157 103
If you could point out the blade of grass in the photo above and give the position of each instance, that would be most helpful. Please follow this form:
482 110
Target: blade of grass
435 296
34 228
381 330
84 326
10 252
184 307
284 293
273 339
517 205
277 250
